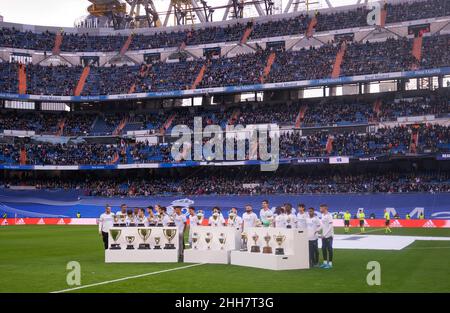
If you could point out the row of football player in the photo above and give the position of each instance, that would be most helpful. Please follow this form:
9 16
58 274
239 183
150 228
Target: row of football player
285 216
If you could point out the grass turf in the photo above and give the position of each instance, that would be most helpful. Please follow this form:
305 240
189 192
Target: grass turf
34 258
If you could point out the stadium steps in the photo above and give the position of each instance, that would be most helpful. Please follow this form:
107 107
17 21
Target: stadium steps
414 142
234 117
126 45
115 159
417 50
377 107
120 127
60 127
338 62
329 145
168 123
312 24
266 73
22 79
300 116
58 41
82 81
23 156
246 35
132 88
199 77
143 72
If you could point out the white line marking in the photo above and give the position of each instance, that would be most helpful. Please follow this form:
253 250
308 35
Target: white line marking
425 248
366 232
126 278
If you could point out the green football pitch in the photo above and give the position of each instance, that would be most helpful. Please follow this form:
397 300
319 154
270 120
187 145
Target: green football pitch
34 259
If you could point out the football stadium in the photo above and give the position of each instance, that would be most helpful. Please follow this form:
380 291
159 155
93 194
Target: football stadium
225 146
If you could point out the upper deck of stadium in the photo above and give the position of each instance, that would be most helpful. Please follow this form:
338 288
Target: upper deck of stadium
352 18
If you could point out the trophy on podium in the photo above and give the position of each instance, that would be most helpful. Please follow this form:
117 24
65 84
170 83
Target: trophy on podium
130 240
116 221
255 248
169 233
244 238
222 240
144 233
195 238
157 241
208 239
279 239
115 234
267 249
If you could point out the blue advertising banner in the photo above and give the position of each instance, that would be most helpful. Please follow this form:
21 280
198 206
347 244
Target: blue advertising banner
46 203
236 89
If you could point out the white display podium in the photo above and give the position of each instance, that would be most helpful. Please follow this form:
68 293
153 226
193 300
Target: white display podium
295 246
214 251
136 255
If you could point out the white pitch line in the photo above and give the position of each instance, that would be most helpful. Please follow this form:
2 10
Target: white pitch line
425 248
127 278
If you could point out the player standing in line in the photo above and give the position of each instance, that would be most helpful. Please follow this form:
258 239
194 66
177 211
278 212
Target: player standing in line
266 214
347 218
122 214
312 230
234 220
180 222
361 217
387 222
249 218
105 222
193 223
327 237
301 216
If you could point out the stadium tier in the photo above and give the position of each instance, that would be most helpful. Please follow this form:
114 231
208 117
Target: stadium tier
288 26
392 55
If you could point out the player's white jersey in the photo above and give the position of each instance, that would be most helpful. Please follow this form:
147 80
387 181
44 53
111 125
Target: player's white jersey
249 219
266 216
216 222
180 221
301 220
105 222
312 227
291 220
236 222
327 225
281 221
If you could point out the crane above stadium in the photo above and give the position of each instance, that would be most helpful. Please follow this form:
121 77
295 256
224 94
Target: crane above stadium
122 14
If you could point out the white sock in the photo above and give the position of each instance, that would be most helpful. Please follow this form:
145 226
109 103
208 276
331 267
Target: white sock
330 263
324 262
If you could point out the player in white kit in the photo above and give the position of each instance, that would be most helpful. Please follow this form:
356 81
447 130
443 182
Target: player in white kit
105 222
327 237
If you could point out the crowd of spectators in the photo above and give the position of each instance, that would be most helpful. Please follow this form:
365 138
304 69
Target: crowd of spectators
247 69
244 182
326 112
47 123
385 141
288 26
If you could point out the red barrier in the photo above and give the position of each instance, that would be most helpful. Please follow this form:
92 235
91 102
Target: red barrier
47 221
415 223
